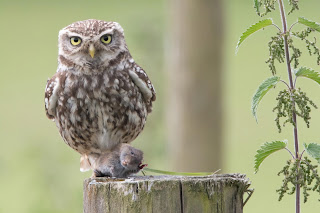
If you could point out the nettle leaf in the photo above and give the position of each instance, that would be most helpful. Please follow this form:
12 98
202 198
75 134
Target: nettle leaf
257 6
261 91
313 149
308 73
267 149
252 29
308 23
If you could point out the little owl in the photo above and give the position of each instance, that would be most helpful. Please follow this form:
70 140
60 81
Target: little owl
99 97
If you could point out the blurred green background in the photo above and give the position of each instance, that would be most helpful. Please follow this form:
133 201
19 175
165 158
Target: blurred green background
39 173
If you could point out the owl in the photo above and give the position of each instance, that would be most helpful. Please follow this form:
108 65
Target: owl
99 97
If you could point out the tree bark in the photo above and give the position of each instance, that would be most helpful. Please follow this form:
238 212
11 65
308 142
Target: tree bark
195 67
176 194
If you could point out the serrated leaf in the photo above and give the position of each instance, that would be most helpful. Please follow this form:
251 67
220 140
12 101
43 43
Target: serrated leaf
257 6
308 23
252 29
261 91
313 149
267 149
308 73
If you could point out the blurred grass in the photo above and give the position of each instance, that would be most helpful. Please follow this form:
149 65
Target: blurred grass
39 173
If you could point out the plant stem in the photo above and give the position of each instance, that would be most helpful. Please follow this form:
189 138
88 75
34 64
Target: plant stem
290 153
294 116
285 84
302 154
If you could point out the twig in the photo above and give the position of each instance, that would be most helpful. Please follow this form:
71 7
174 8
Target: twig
250 192
290 153
301 154
277 27
285 84
295 81
292 26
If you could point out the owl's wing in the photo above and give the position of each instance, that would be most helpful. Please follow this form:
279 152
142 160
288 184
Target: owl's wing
142 81
51 96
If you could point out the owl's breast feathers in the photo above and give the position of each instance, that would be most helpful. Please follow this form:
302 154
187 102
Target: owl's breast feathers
95 112
136 73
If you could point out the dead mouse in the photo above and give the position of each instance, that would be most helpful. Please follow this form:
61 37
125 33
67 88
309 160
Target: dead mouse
120 162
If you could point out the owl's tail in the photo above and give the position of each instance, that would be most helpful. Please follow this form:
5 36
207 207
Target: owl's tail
88 161
84 163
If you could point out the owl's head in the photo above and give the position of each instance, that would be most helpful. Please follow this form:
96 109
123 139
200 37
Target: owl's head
90 43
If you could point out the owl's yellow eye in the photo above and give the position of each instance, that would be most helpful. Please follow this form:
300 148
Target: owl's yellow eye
106 39
75 40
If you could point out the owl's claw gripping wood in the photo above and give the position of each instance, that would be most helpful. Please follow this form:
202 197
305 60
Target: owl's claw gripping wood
97 173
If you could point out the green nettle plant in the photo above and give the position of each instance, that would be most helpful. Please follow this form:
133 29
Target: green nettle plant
298 173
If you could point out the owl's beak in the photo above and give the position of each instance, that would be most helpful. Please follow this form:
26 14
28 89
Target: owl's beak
91 50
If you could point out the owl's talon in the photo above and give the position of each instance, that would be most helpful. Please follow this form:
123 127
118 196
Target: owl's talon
98 173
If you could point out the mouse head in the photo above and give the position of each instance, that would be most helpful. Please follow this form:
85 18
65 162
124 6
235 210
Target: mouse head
131 157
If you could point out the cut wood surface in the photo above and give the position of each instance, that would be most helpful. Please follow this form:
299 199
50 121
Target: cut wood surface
222 193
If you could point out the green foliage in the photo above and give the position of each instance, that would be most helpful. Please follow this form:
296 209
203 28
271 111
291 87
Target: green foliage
290 177
304 33
252 29
308 23
291 102
276 52
303 103
308 73
261 91
300 172
313 149
294 5
295 53
268 5
265 150
311 45
257 5
285 107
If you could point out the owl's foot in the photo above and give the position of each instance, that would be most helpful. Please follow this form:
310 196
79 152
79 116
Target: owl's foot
98 173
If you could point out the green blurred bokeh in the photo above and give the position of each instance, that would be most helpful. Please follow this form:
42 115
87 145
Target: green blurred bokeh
39 173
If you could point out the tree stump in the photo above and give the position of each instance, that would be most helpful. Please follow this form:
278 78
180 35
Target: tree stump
222 193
